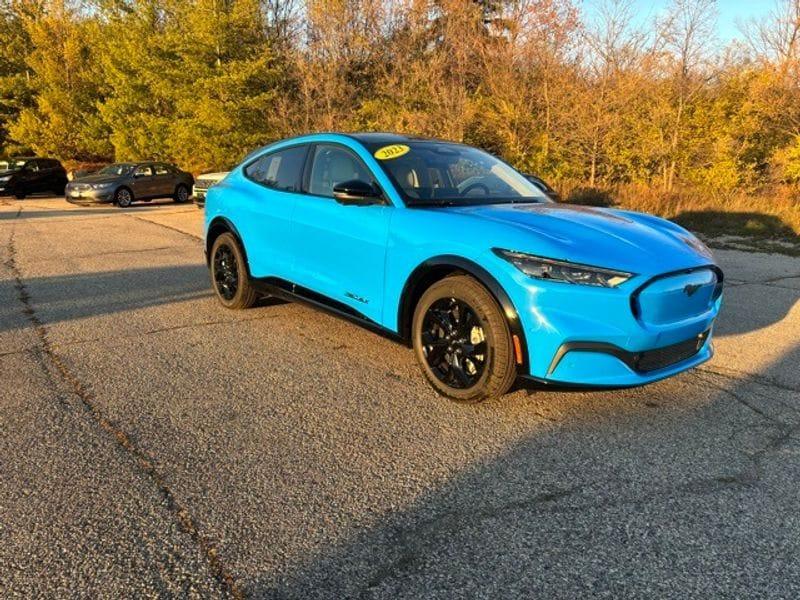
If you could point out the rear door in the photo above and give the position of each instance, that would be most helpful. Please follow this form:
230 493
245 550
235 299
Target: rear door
55 177
340 250
165 180
263 209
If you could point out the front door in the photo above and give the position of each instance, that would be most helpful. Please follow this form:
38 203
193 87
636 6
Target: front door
144 182
32 177
340 250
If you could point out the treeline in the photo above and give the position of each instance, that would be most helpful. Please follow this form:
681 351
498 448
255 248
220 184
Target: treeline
591 96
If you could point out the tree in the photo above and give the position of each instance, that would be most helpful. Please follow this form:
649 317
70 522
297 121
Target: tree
16 91
62 120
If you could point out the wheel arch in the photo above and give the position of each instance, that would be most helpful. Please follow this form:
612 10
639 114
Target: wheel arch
438 267
216 228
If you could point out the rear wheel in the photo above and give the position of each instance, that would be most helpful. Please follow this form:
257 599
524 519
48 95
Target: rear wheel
229 274
123 197
181 194
462 340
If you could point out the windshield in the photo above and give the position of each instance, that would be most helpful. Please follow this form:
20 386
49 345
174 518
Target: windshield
439 173
116 169
12 164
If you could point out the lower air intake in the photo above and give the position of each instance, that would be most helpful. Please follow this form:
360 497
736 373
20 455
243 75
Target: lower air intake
660 358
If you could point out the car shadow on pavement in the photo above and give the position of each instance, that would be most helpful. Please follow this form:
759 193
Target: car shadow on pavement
70 297
681 486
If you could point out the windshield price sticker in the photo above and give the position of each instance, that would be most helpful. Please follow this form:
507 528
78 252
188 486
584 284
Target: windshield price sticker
390 152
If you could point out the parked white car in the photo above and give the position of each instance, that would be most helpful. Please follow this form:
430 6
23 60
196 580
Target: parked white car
203 183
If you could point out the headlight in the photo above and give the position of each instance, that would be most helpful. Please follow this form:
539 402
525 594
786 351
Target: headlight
101 186
567 272
6 178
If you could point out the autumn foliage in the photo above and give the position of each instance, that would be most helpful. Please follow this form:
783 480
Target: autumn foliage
653 113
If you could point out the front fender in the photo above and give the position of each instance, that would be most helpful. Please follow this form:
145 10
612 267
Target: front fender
433 269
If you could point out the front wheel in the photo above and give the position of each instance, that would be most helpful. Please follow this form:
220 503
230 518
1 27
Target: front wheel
462 341
181 194
123 197
229 274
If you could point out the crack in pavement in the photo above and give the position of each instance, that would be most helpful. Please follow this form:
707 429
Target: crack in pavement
738 375
739 398
170 227
144 461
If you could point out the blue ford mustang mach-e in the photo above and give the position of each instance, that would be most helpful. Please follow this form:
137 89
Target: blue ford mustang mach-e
459 255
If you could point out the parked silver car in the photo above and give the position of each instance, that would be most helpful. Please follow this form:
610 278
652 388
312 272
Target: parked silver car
203 183
125 183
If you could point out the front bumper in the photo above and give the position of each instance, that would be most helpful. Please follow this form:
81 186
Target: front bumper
605 365
618 337
89 196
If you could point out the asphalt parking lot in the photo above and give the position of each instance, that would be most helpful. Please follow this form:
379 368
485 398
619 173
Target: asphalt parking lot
152 443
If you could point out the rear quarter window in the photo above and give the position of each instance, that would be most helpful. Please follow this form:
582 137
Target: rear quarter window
280 170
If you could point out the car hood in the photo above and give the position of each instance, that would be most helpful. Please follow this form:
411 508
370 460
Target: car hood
215 176
7 173
97 178
611 238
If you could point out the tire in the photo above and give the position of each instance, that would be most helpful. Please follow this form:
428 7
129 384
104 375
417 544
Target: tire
181 194
20 195
229 274
123 197
467 358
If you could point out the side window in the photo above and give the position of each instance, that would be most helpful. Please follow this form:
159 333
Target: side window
32 166
144 171
335 164
162 170
279 170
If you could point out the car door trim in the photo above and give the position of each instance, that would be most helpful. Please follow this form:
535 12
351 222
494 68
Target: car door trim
291 292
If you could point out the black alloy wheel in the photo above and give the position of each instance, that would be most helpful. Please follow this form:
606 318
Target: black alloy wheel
229 274
454 343
226 273
462 340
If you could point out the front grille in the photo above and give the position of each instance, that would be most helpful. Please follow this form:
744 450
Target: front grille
660 358
203 184
676 297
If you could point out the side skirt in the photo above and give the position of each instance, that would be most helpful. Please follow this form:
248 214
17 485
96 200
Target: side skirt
286 290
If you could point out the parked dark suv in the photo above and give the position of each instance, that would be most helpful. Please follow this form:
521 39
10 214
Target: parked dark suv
27 175
124 183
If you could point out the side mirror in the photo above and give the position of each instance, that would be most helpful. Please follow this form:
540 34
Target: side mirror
356 193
